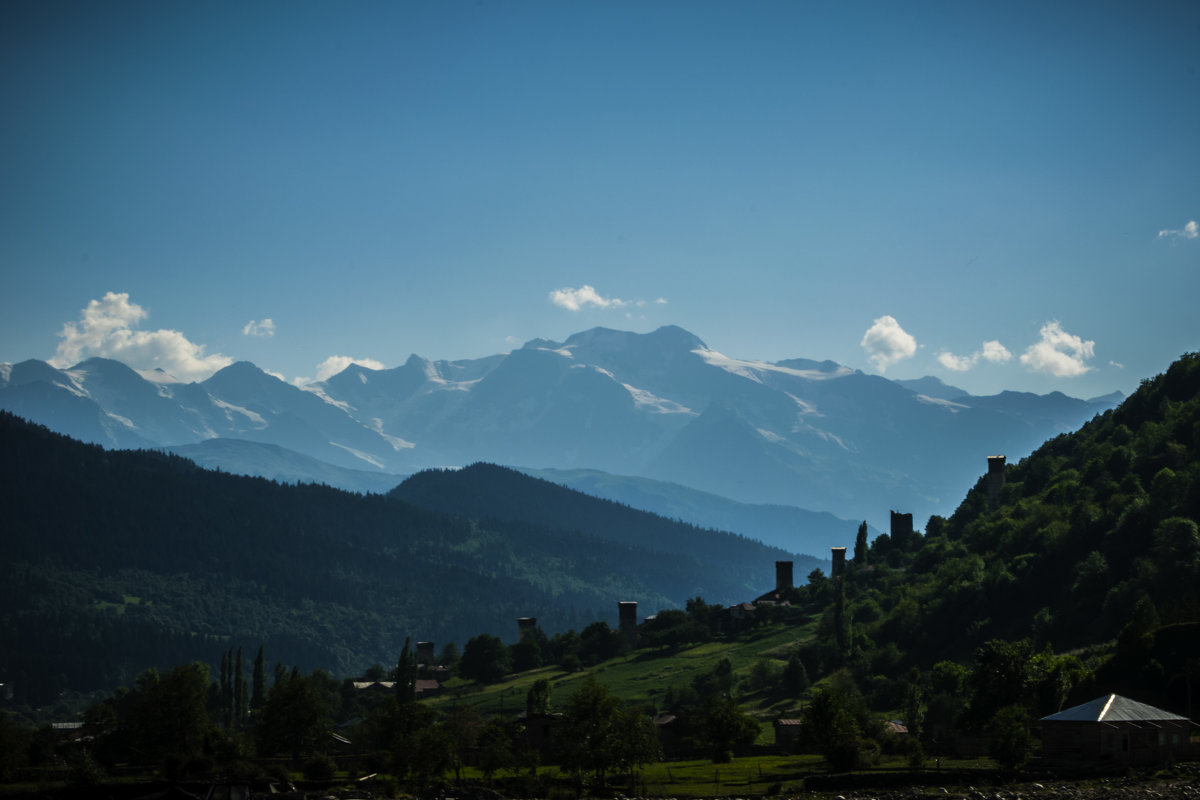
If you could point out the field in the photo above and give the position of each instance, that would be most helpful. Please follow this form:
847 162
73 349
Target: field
644 676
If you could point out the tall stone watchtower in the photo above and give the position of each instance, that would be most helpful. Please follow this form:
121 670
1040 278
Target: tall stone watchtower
627 621
902 529
839 561
783 576
425 654
995 478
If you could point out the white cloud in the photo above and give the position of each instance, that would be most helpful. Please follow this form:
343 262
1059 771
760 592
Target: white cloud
335 364
662 301
956 363
264 328
1059 353
1188 231
576 299
107 328
887 343
995 352
992 351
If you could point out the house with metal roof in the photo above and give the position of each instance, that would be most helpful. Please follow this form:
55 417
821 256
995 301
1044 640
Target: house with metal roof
1118 730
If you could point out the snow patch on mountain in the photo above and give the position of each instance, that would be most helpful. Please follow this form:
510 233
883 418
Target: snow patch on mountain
751 369
319 391
158 375
230 409
367 457
595 368
771 436
807 409
126 421
75 384
648 401
457 386
398 444
952 406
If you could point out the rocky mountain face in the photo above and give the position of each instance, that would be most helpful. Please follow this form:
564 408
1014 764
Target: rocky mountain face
661 405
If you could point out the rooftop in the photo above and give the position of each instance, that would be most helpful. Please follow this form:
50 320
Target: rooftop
1112 708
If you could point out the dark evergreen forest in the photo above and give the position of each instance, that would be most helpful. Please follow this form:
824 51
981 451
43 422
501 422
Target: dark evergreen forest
116 561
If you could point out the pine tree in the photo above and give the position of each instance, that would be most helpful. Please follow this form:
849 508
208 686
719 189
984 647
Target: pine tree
259 686
841 623
239 691
406 674
227 689
860 546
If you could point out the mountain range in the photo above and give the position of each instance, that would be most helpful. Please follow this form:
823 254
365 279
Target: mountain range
140 559
662 405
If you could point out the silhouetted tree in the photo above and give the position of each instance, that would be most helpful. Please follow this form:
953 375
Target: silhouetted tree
860 545
484 659
406 673
258 690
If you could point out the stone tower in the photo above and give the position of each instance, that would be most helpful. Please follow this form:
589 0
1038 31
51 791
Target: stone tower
783 576
995 477
839 562
627 621
902 529
425 656
525 625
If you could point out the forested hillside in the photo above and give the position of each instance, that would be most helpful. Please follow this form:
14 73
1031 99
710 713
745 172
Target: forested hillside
115 561
1091 547
487 491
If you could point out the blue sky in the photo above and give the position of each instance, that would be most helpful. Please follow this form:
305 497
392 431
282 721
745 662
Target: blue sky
1003 195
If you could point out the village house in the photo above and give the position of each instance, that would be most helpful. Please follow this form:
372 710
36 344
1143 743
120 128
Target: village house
1118 730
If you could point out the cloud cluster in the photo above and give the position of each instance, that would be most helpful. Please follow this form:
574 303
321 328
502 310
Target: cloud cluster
335 364
584 296
107 328
264 328
1189 231
887 343
578 299
991 351
1059 353
1056 352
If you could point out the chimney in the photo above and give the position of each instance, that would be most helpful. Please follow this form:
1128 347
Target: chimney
995 477
627 616
839 561
783 576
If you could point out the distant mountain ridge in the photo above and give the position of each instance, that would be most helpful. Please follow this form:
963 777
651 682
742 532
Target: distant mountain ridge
793 529
155 561
661 405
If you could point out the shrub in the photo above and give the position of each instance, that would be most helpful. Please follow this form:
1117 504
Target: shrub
319 768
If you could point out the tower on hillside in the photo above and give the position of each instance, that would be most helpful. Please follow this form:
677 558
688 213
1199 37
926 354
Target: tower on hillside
425 654
839 561
902 529
995 477
783 576
627 621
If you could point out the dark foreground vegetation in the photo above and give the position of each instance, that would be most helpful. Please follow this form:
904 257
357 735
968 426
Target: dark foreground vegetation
931 652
